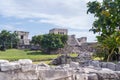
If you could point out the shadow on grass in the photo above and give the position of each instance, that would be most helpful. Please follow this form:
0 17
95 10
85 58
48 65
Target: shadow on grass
36 53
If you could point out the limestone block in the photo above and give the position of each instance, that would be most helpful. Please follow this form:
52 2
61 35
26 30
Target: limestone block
89 69
4 61
29 67
118 73
65 66
80 77
25 61
92 76
117 67
56 74
111 65
74 64
95 63
10 66
107 74
6 76
103 64
31 75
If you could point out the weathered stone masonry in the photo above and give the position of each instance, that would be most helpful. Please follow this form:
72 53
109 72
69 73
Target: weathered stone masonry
25 70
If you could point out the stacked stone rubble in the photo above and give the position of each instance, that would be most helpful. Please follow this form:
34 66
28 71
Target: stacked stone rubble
24 70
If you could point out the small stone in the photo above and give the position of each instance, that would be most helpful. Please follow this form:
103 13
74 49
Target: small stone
43 64
103 64
74 64
92 77
95 63
25 61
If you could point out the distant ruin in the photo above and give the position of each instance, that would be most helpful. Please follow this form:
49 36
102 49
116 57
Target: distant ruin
74 45
59 31
24 42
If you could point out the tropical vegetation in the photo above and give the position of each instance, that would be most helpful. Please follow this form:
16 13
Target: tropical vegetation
49 42
107 24
8 39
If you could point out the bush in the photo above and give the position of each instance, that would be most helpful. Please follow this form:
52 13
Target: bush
2 48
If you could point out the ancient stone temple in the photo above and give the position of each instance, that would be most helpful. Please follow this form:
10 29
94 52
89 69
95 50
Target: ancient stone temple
73 44
59 31
23 38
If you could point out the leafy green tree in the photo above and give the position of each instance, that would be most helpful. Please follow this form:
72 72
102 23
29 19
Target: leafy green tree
110 46
53 41
107 16
8 39
36 40
49 42
107 20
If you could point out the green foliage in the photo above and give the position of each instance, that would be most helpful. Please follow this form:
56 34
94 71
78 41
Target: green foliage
107 16
106 24
53 41
108 47
50 42
36 40
8 39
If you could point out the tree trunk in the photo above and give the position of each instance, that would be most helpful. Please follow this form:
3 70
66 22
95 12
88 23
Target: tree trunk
109 56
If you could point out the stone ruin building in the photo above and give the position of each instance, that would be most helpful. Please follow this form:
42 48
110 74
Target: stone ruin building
59 31
74 45
24 42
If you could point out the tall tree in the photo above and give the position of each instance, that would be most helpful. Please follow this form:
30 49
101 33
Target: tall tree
107 16
36 40
107 21
8 39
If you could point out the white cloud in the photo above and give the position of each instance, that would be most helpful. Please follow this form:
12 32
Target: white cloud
62 13
67 10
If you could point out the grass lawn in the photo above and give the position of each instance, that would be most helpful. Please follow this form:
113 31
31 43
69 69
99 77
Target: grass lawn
15 54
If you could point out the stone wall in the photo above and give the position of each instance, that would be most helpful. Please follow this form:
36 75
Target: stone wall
23 37
24 70
59 31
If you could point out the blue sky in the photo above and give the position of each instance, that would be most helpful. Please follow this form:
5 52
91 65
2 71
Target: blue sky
39 16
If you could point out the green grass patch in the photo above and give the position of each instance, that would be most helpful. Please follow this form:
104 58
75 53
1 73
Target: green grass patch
15 54
47 62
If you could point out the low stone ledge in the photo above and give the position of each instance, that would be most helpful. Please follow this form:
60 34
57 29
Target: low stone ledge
10 66
19 70
4 61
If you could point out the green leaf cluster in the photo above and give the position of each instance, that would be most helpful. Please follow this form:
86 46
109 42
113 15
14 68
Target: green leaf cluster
50 42
106 14
107 24
8 39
